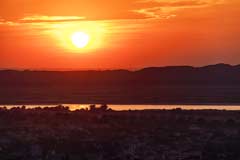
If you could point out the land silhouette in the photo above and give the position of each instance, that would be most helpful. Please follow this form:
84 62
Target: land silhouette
99 133
213 84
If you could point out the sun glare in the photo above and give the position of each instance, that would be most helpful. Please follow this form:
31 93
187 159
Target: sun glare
80 39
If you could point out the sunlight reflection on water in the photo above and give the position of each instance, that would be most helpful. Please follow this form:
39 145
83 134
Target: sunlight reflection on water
140 107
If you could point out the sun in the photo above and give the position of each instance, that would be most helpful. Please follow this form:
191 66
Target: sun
80 39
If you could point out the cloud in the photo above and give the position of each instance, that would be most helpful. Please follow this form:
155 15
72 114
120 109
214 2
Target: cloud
42 18
163 9
72 10
7 23
2 20
37 19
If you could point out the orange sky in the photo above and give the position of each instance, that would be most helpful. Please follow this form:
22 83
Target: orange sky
35 34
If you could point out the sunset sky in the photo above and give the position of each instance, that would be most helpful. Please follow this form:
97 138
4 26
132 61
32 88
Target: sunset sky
38 34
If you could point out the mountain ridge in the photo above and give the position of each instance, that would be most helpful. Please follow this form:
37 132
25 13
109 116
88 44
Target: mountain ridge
218 65
221 74
213 84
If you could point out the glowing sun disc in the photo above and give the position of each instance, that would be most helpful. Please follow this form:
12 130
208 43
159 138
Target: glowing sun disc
80 39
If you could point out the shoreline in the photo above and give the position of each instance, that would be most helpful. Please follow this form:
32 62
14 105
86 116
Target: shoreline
132 107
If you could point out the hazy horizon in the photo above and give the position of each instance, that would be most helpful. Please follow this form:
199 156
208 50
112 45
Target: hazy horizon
105 69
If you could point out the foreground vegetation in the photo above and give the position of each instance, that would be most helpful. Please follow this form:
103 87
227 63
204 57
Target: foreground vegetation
102 134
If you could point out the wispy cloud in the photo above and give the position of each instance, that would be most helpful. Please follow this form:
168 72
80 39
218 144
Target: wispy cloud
43 18
128 10
8 23
38 19
2 20
165 9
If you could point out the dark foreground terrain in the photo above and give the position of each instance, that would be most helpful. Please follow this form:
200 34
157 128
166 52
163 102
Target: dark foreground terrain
101 134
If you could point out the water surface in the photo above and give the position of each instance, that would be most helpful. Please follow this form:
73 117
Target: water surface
140 107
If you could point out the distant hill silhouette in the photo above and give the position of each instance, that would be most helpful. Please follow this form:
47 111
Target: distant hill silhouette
174 84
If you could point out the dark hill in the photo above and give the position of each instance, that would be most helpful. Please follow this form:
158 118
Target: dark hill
175 84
